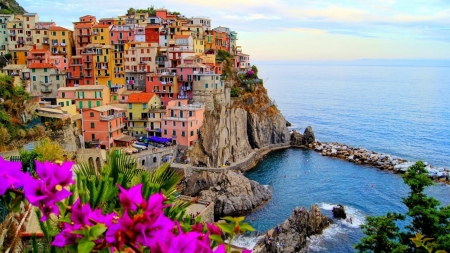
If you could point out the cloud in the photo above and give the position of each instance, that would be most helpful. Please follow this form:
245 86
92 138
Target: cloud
306 30
252 17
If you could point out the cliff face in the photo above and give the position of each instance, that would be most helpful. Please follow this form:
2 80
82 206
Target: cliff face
230 132
11 7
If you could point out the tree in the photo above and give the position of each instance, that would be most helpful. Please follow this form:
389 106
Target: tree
382 233
427 219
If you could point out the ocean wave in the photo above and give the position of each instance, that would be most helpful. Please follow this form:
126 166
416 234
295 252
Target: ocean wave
333 232
246 241
355 217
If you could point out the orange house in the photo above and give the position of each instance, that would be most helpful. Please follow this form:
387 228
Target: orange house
103 124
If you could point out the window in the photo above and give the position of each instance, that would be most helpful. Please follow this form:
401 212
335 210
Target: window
64 33
174 123
34 78
206 86
144 106
33 70
183 133
130 106
183 124
165 122
192 133
45 70
191 123
91 114
190 113
67 103
98 103
165 131
57 77
174 132
92 125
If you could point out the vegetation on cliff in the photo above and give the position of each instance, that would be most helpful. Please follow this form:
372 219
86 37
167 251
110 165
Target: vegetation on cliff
15 105
429 227
11 7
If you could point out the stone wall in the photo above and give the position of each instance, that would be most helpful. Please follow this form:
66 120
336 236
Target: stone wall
94 156
207 214
153 159
6 154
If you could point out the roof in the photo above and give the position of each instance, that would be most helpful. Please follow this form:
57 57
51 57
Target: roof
58 28
101 25
128 92
30 14
14 67
91 87
41 65
57 111
182 36
83 25
40 50
121 106
67 89
140 97
105 108
192 65
125 138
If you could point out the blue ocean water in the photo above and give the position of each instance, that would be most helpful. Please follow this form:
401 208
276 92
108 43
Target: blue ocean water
397 110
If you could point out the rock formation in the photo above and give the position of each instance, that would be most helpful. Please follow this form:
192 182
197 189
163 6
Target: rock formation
339 212
303 140
231 191
231 132
292 234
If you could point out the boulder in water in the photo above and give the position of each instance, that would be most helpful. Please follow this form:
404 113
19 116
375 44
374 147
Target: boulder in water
339 212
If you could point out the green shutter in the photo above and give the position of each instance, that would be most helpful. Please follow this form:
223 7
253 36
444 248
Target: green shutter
80 104
98 103
89 104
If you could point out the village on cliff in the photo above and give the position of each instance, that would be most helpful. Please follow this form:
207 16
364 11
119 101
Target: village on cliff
145 76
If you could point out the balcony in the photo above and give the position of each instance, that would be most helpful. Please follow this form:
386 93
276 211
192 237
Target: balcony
62 44
138 119
46 90
59 52
12 34
120 126
55 44
46 83
88 52
110 117
87 60
84 34
88 67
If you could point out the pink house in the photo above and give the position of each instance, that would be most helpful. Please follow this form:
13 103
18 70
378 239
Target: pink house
121 34
67 92
191 66
61 62
103 125
165 85
182 122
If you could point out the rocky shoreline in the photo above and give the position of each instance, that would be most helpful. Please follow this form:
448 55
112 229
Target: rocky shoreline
381 161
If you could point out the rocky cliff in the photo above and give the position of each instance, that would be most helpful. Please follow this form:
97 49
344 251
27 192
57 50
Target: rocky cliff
11 7
231 191
230 132
292 234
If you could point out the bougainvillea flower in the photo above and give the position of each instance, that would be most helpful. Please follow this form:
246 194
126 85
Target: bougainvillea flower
53 174
203 244
183 242
132 198
197 227
149 230
10 175
156 203
121 232
247 251
66 237
98 217
220 249
213 229
80 213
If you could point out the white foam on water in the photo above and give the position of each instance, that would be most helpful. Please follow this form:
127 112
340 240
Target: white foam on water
357 217
316 242
326 206
266 186
245 241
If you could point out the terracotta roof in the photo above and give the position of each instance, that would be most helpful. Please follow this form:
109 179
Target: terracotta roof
140 97
41 65
58 28
102 26
182 36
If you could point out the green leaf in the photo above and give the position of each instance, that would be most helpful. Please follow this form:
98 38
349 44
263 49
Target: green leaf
65 219
229 218
227 228
246 227
82 232
216 238
85 246
97 230
62 208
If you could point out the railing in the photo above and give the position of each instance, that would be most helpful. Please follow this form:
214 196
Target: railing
62 44
122 125
48 82
110 117
88 60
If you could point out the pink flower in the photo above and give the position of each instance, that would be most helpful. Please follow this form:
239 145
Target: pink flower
10 175
132 198
213 229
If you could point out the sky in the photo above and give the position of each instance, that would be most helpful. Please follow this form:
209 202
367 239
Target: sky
297 29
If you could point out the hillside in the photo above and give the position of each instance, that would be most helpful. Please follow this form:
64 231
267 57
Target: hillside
11 7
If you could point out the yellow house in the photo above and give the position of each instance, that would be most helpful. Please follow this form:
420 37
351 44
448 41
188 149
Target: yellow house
61 41
41 33
103 66
141 118
100 34
90 96
68 105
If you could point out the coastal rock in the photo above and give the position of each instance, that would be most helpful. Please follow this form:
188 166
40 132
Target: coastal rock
308 136
296 138
339 212
292 234
231 191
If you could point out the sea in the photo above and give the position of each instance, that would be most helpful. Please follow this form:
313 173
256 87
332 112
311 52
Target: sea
400 108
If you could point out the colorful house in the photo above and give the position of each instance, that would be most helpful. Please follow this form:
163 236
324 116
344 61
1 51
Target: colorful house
89 96
46 79
83 31
102 125
139 60
100 34
61 41
98 65
191 66
4 35
182 122
75 71
140 114
40 34
165 85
